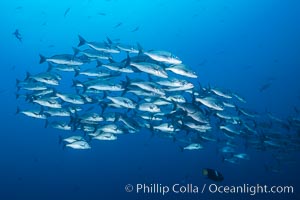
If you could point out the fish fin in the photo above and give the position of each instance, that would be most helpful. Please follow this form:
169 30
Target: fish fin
117 118
84 88
99 63
223 159
128 60
174 139
42 58
28 75
140 48
174 105
109 40
42 110
125 90
77 71
75 50
104 95
128 82
151 128
111 60
50 67
82 41
103 106
75 83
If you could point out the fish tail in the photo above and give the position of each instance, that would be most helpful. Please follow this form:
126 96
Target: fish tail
75 50
103 106
50 67
42 59
17 95
18 111
82 41
181 148
46 123
77 71
99 63
17 82
60 139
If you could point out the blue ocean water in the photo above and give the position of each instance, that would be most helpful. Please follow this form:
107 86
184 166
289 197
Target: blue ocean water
238 45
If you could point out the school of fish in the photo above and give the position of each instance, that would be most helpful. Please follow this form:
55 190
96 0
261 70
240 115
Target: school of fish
108 89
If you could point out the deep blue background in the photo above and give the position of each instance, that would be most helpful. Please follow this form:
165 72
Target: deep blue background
232 44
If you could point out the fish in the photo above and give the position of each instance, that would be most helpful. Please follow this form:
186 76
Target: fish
150 68
110 128
67 11
62 59
135 29
59 125
48 102
193 146
118 67
148 107
71 98
210 102
18 35
182 70
98 46
101 13
79 145
93 54
242 156
165 127
58 112
221 93
163 56
123 102
128 48
117 88
212 174
63 68
105 86
265 87
71 139
46 77
118 25
32 113
184 87
148 86
105 136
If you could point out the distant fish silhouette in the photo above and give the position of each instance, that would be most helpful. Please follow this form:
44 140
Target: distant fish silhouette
19 7
296 110
203 62
101 13
13 68
67 11
17 35
265 87
136 29
118 25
